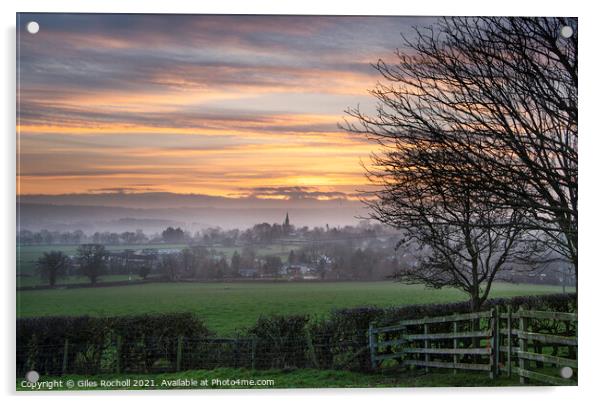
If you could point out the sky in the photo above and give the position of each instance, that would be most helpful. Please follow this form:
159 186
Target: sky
235 106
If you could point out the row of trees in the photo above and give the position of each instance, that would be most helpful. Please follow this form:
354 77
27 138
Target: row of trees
336 261
46 237
197 262
343 260
89 261
193 263
476 122
340 260
259 234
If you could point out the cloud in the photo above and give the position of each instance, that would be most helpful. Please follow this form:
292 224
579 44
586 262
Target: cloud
292 193
196 103
45 113
123 190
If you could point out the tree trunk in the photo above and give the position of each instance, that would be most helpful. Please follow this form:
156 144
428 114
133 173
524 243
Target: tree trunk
475 306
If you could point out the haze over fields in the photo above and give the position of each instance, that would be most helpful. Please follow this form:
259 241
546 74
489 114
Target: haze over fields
152 212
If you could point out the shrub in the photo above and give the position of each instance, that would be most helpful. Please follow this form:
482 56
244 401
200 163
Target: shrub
281 341
341 340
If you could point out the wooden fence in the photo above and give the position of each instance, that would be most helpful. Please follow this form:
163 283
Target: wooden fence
481 342
525 343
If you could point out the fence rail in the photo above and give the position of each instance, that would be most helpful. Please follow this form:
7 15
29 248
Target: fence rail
480 342
554 340
425 343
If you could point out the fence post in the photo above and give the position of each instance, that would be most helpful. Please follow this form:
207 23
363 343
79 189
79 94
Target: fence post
427 345
236 352
522 363
509 342
455 345
253 349
65 356
493 344
310 349
372 345
404 343
119 349
179 354
571 349
576 336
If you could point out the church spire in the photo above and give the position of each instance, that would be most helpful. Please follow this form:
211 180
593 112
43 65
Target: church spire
287 223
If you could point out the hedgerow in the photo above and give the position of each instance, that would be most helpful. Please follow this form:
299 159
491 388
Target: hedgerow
93 344
149 343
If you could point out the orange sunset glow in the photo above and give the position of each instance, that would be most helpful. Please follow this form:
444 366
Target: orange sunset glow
214 105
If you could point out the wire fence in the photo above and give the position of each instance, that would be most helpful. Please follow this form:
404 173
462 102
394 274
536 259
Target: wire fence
162 355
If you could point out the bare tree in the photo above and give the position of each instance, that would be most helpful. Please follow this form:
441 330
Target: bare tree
499 95
460 236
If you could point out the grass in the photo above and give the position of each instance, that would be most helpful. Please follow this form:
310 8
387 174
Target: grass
300 378
226 307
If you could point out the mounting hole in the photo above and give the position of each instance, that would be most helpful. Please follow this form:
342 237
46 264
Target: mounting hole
566 32
33 27
566 372
32 376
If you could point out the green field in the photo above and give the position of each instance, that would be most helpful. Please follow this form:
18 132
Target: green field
226 307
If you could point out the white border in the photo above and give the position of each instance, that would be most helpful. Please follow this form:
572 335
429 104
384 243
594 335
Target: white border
590 91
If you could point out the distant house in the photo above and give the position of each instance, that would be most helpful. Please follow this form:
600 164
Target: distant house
300 272
132 259
249 272
168 251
